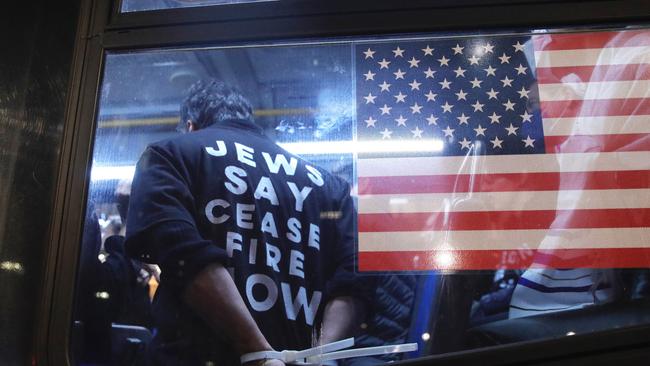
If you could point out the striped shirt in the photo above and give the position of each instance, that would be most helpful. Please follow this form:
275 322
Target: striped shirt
546 290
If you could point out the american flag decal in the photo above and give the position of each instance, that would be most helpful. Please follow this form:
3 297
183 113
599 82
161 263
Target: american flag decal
504 152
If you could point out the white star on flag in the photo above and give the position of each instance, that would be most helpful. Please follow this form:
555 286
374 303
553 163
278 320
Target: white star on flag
458 49
400 97
496 143
384 86
512 130
463 119
417 133
480 130
488 48
506 81
369 53
415 85
415 108
428 51
429 73
494 118
398 52
383 64
460 72
401 121
414 62
370 122
476 83
528 142
370 75
432 120
385 109
447 107
449 132
445 84
444 61
518 47
370 98
473 60
385 134
478 106
505 59
465 144
431 97
492 94
523 93
461 95
399 74
490 71
521 70
510 106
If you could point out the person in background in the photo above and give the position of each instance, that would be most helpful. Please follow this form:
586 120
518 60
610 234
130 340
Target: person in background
547 290
126 280
89 327
256 245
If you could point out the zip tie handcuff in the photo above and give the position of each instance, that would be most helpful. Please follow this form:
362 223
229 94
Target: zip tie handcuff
327 352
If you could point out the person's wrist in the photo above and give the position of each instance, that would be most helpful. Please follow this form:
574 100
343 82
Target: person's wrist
264 362
253 344
262 358
255 363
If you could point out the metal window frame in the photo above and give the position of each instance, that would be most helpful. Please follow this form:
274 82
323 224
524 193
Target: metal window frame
102 28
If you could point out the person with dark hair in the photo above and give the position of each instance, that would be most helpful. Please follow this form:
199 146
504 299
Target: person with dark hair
255 244
211 102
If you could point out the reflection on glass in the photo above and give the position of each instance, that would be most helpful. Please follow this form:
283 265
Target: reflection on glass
494 178
144 5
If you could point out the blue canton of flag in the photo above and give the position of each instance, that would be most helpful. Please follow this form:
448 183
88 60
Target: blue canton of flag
475 96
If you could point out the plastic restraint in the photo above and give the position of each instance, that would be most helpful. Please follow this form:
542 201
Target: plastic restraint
327 352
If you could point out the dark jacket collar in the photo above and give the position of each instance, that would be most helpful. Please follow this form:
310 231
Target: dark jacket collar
239 124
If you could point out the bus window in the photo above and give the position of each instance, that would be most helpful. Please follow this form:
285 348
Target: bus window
451 190
144 5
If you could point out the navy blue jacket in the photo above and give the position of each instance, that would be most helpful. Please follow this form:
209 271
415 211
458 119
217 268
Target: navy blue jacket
228 194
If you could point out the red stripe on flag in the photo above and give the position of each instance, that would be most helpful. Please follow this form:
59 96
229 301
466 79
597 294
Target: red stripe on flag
625 179
597 143
568 41
582 74
505 220
596 107
504 259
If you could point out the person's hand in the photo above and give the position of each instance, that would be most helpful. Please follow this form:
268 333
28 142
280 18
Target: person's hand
267 362
272 362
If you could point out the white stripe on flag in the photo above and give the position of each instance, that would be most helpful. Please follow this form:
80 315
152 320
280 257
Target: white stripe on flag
496 164
607 125
505 201
593 56
506 239
595 90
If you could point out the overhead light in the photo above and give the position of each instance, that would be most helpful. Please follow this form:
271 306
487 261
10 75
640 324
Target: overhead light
305 148
360 147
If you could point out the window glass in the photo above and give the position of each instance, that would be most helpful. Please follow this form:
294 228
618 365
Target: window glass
496 182
143 5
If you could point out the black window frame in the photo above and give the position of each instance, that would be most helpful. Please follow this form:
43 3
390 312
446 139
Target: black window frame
103 28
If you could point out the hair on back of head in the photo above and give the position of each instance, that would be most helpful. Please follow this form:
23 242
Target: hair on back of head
210 101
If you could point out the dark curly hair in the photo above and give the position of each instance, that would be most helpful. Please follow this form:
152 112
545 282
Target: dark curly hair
211 101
